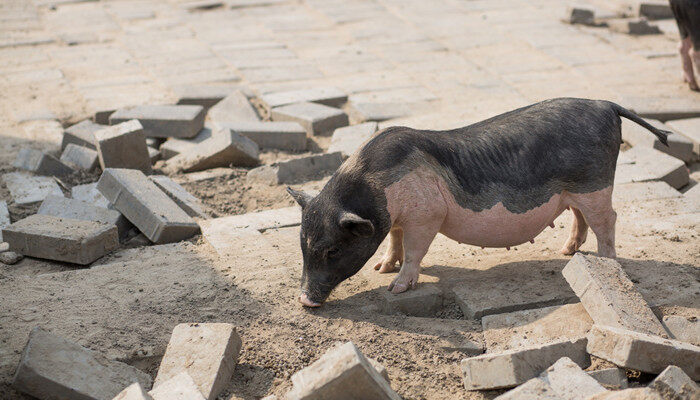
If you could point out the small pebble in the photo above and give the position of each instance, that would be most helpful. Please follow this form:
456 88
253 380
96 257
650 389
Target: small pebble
10 257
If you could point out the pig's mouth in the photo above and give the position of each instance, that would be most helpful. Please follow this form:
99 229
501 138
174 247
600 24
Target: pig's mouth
307 302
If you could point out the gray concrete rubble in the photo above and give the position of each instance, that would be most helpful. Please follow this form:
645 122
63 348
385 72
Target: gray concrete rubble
41 163
223 149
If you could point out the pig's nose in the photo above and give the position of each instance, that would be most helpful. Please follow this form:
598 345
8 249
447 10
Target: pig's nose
304 299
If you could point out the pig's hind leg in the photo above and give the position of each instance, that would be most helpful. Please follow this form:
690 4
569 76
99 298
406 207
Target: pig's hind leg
597 210
579 232
394 252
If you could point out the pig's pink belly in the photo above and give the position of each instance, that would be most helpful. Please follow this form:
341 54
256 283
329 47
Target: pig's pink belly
498 227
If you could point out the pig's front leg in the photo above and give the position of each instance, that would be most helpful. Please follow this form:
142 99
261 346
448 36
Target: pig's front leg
416 240
394 252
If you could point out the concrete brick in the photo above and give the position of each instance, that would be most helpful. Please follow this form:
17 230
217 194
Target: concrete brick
609 296
673 383
61 239
535 388
41 163
207 95
644 191
664 111
76 209
423 301
4 217
527 328
81 134
381 370
153 154
685 329
317 119
29 189
646 353
271 135
693 194
363 112
55 368
511 368
580 15
207 352
349 139
297 169
233 108
690 128
636 26
223 149
146 206
179 387
89 193
183 121
342 372
655 10
570 382
648 164
78 157
190 204
133 392
123 146
328 96
679 146
201 5
174 146
628 394
611 378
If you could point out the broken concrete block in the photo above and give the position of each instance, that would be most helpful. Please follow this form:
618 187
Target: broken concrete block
655 10
206 95
535 388
123 146
644 191
673 383
685 329
610 378
153 154
179 387
637 26
328 96
527 328
378 112
55 368
646 164
679 146
342 372
628 394
26 188
223 149
146 206
317 119
174 146
76 209
89 194
10 257
349 139
183 121
78 157
690 128
133 392
234 108
206 352
81 134
61 239
580 15
190 204
643 352
271 135
297 169
423 301
609 296
41 163
511 368
570 382
4 217
381 370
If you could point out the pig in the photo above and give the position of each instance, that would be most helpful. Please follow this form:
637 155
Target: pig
496 183
687 14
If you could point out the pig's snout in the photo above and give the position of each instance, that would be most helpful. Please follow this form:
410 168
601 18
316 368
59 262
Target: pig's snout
307 302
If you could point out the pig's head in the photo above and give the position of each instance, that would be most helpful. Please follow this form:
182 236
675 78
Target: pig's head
335 244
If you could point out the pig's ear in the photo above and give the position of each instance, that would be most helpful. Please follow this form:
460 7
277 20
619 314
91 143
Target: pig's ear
357 225
302 198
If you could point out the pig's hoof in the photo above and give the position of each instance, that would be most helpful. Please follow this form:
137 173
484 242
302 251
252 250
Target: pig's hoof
385 267
402 284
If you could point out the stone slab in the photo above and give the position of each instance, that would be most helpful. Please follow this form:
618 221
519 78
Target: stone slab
223 149
61 239
146 206
673 383
378 112
81 134
679 146
317 119
296 170
76 209
535 388
423 301
527 328
647 164
78 157
217 229
53 367
329 96
342 372
26 188
41 163
610 378
271 135
646 353
89 193
609 296
644 191
133 392
665 111
689 128
190 204
629 394
655 10
206 95
233 108
685 329
123 146
349 139
513 367
183 121
179 387
207 352
570 382
174 146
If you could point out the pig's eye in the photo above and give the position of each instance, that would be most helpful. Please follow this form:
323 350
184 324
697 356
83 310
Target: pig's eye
332 252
